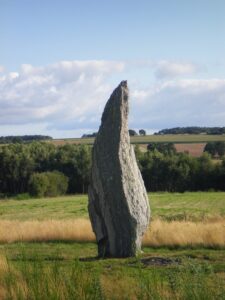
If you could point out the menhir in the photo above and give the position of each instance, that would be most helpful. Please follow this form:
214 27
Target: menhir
118 202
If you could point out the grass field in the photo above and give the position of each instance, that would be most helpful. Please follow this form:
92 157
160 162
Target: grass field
68 269
54 271
175 138
192 206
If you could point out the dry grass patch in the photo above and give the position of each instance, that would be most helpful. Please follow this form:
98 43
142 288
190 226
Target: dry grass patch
210 233
184 233
3 269
3 264
49 230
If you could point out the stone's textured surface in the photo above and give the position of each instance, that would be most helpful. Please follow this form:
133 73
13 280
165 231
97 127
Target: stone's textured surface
118 202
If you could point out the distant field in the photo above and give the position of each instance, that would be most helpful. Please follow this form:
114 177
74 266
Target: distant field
192 144
167 206
194 149
175 138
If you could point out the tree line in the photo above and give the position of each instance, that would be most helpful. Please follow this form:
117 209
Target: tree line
20 164
192 130
12 139
132 132
43 169
163 169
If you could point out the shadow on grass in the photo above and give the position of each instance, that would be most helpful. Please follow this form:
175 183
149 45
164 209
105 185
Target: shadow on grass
91 258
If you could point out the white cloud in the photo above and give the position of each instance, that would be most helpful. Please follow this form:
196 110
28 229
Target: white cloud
2 69
64 94
168 69
66 97
182 103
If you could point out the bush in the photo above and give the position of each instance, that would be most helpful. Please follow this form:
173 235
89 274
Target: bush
58 184
48 184
23 196
215 148
165 148
38 184
132 132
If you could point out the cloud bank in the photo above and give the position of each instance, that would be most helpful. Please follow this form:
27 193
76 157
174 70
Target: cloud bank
167 69
67 98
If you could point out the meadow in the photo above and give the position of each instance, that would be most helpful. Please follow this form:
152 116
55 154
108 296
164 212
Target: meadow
174 138
192 206
48 251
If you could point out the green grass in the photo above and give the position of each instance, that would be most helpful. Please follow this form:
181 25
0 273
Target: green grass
53 271
175 138
189 205
45 208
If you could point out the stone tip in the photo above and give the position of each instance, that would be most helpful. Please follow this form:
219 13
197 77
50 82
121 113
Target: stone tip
123 83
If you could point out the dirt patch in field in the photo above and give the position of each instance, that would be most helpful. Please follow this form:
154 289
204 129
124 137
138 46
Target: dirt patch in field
193 149
159 261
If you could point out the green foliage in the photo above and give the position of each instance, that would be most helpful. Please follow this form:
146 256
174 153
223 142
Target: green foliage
75 162
19 161
23 196
180 172
23 138
142 132
48 184
38 184
165 148
132 132
215 148
162 168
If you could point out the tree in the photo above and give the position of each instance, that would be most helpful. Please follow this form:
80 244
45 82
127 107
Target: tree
38 184
89 135
84 165
58 184
220 148
48 184
132 132
215 148
210 148
75 162
165 148
142 132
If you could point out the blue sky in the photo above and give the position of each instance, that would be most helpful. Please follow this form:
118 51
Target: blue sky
60 60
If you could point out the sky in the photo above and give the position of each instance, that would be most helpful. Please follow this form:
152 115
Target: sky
61 59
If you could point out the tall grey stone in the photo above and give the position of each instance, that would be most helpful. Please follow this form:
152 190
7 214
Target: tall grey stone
118 203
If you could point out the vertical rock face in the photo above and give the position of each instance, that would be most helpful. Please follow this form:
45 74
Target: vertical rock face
118 202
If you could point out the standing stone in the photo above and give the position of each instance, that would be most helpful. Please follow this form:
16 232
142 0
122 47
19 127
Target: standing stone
118 202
